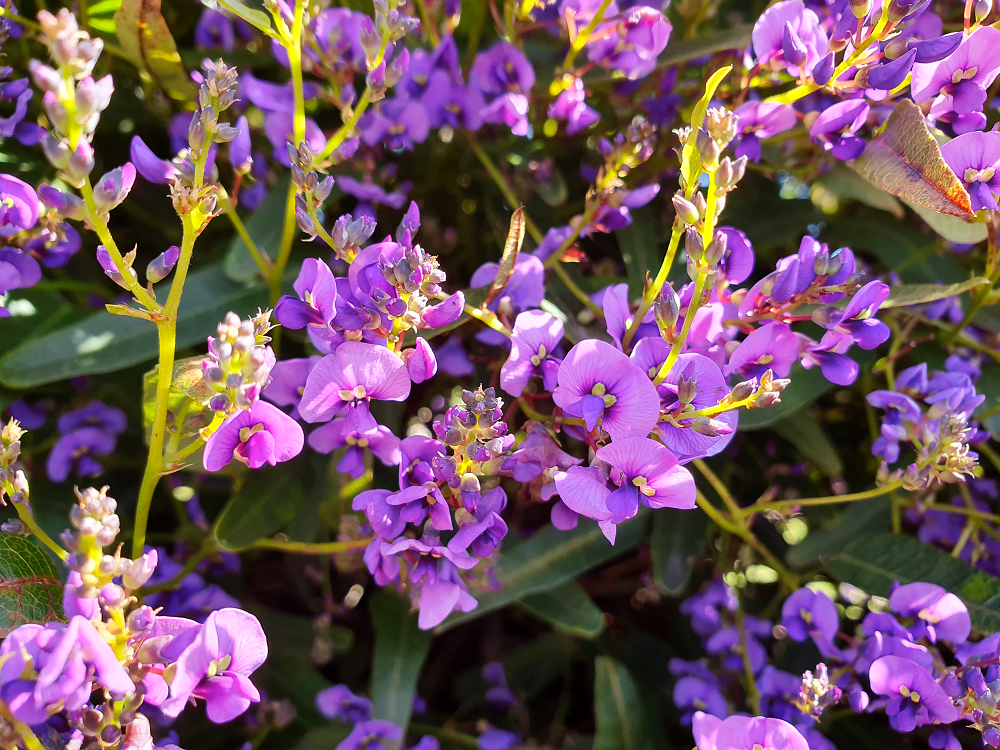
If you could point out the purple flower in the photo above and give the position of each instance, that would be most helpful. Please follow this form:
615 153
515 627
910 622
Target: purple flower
31 416
639 36
372 193
504 76
537 453
599 383
18 206
642 470
484 533
618 314
836 126
810 613
746 732
770 347
51 668
737 262
421 364
803 26
149 165
112 188
975 159
940 615
693 693
317 298
857 320
915 697
340 704
704 607
214 30
571 106
422 467
18 270
217 665
453 359
398 123
343 384
525 288
20 93
963 76
279 127
92 429
535 338
435 570
336 434
262 434
376 734
759 121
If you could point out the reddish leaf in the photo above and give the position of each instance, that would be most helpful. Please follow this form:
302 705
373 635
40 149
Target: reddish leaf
905 160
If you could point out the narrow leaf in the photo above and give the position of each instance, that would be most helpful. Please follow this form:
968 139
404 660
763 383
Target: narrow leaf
252 16
549 559
265 501
512 246
873 561
147 42
677 539
622 723
569 608
920 294
701 108
805 433
400 651
905 160
952 228
30 590
683 50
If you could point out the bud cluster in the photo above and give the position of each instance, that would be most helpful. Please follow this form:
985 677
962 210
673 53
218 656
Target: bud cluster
239 362
479 439
312 191
349 234
943 458
817 692
13 483
72 99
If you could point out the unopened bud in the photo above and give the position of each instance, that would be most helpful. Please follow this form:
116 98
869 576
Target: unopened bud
667 308
743 391
161 266
983 8
861 8
708 150
693 243
716 249
685 209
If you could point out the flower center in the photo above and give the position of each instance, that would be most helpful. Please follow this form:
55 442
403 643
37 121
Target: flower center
913 695
979 175
644 488
537 358
764 359
927 616
219 665
806 616
247 432
964 75
358 392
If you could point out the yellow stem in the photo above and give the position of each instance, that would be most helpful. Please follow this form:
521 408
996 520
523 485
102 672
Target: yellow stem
309 548
830 500
29 520
653 292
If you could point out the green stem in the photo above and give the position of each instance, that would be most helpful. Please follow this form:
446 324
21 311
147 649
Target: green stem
29 520
830 500
751 683
983 293
531 413
425 23
678 345
308 548
654 290
260 256
720 489
578 44
167 329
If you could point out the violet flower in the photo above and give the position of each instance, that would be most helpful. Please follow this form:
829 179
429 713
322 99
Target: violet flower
149 165
939 614
857 319
639 36
963 76
18 270
398 123
571 106
336 434
343 384
317 298
503 75
598 383
975 159
771 347
340 704
643 472
836 126
435 571
18 206
769 34
810 613
745 733
915 698
217 665
759 121
423 466
262 434
535 338
214 30
375 734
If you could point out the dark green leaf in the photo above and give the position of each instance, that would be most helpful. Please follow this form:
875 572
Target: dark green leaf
846 183
252 16
919 294
264 226
105 343
864 517
148 44
805 433
905 160
677 539
951 228
567 607
872 562
639 243
683 50
806 387
400 651
622 723
550 558
266 500
322 738
33 313
30 590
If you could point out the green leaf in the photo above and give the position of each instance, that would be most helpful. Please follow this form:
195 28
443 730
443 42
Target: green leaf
806 387
919 294
736 37
905 160
266 500
846 183
33 313
639 243
859 518
549 559
147 42
187 382
252 16
873 561
265 227
691 168
622 723
805 433
569 608
105 343
677 539
400 651
322 738
30 590
951 228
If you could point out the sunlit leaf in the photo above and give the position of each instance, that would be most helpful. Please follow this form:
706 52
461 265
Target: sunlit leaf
951 228
147 42
905 160
252 16
30 590
920 294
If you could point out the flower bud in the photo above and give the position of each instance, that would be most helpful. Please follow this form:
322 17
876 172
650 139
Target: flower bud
45 77
110 269
56 151
114 187
708 150
896 48
861 8
742 391
55 110
693 244
685 209
161 266
823 71
667 308
81 163
716 249
983 8
66 205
